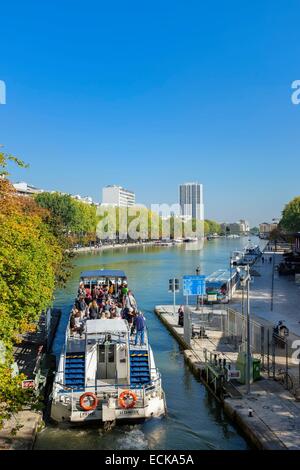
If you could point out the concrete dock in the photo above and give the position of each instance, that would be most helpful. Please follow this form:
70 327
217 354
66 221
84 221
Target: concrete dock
31 422
275 420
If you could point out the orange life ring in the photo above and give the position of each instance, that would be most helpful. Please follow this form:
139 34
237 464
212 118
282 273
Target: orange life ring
90 407
123 399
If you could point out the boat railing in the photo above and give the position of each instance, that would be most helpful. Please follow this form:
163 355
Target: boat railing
115 386
70 395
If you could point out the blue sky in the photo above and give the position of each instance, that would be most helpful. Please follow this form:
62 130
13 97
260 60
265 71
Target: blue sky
152 94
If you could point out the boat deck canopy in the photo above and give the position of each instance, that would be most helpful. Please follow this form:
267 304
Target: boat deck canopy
106 326
103 273
220 277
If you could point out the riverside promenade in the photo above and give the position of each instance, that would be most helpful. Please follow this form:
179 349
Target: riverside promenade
275 420
94 249
273 297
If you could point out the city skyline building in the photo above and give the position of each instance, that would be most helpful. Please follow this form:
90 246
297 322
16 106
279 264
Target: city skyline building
24 189
191 201
117 196
241 227
266 228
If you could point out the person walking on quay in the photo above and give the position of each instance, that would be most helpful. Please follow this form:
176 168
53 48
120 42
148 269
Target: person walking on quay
180 315
139 323
263 260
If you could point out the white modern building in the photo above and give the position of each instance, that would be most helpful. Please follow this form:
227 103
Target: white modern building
117 196
25 189
191 201
84 199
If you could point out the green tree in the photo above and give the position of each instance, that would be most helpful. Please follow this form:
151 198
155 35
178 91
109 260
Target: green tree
68 216
212 227
5 159
291 216
64 214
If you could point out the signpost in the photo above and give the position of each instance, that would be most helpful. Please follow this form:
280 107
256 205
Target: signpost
198 272
233 374
28 384
174 287
194 285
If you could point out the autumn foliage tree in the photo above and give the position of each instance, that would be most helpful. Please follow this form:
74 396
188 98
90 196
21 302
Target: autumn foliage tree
31 260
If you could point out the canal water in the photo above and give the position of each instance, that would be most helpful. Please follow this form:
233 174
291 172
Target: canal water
195 421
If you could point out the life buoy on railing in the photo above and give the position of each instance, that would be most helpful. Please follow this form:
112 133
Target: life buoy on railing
127 399
92 401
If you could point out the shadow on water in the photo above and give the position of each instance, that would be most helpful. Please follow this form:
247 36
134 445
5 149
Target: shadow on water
195 419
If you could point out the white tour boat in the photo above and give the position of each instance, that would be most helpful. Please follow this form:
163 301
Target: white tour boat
102 376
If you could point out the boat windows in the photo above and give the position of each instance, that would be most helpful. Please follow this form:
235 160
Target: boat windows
101 353
111 353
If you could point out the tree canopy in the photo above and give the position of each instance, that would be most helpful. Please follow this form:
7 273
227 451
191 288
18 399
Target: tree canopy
291 216
31 265
67 214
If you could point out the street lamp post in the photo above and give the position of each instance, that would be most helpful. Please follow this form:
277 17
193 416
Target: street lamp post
198 272
273 282
245 282
248 331
230 282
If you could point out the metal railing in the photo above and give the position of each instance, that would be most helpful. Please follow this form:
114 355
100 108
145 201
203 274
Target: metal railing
274 351
108 391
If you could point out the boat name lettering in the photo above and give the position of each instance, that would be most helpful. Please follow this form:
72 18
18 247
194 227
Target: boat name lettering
129 412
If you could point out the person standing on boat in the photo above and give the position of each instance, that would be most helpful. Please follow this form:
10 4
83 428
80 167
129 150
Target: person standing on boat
78 324
88 296
119 310
124 290
139 323
81 290
130 301
93 310
82 306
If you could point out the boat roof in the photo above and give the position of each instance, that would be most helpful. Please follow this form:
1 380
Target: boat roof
114 325
102 273
221 276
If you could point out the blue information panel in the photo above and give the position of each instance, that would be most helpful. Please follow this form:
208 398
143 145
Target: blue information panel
194 285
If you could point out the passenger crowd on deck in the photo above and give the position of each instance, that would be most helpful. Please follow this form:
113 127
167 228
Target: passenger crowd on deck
106 302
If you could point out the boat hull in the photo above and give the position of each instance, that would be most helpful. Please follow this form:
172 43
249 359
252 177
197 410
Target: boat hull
62 413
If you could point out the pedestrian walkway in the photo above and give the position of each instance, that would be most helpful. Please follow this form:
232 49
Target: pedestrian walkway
274 423
286 295
275 414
